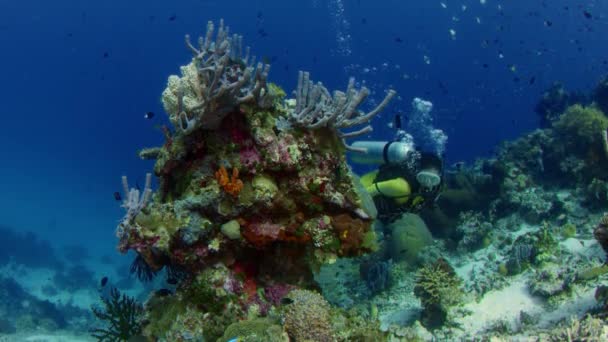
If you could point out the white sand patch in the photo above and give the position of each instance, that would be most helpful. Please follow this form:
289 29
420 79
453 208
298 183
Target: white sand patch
577 306
40 337
502 305
587 248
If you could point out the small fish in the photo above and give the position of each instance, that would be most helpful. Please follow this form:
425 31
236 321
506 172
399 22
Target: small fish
548 23
117 196
532 80
172 281
485 65
149 115
363 21
173 17
397 121
106 54
286 301
587 14
398 40
163 292
104 281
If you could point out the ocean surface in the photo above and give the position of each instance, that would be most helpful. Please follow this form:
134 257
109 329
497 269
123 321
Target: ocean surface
80 76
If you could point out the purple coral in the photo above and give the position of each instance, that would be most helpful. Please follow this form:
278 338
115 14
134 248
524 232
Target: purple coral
250 157
274 293
266 229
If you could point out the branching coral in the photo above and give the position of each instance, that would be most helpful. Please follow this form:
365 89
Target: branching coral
133 204
122 315
586 329
231 185
438 288
218 80
316 108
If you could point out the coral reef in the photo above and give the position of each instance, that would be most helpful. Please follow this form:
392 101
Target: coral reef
254 195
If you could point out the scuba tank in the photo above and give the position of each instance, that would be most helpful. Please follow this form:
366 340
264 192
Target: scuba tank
381 152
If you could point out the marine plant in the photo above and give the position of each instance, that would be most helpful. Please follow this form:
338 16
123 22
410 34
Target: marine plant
438 288
583 125
122 316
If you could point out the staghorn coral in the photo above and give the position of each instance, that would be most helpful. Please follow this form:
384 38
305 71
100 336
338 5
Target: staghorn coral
316 108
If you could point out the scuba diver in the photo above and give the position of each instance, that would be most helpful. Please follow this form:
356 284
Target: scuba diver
406 180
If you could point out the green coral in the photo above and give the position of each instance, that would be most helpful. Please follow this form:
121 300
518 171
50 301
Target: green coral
232 229
255 330
205 294
546 245
568 230
187 326
583 124
438 288
162 222
161 312
122 315
357 325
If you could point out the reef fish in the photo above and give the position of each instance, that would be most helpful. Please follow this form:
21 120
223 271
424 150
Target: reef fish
104 281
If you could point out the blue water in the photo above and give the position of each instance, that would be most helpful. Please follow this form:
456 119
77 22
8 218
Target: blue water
79 76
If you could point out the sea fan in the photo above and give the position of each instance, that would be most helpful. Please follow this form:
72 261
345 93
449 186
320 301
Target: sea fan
144 272
122 315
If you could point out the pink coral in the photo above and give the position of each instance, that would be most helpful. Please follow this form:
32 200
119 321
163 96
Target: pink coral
274 293
250 157
266 229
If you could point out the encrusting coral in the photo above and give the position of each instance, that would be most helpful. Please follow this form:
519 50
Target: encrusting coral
254 191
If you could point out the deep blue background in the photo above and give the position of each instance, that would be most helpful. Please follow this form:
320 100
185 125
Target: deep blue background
73 119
